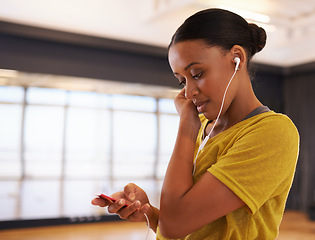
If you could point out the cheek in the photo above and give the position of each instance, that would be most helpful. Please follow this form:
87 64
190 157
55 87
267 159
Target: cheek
213 87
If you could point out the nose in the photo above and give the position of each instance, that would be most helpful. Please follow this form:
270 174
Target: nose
191 90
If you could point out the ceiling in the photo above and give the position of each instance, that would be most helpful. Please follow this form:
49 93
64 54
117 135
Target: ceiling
290 24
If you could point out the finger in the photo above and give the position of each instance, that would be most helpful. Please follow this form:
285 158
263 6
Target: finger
130 191
125 213
100 202
182 92
146 208
118 195
116 206
139 215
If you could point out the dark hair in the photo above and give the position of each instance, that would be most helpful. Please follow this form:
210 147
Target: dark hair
222 28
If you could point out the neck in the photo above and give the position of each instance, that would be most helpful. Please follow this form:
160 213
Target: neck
244 102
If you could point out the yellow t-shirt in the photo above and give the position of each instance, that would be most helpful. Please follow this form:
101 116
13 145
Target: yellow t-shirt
256 159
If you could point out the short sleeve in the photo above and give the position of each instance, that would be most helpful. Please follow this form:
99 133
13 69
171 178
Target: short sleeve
260 164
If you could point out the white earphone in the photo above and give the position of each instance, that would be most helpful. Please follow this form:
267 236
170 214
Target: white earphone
237 61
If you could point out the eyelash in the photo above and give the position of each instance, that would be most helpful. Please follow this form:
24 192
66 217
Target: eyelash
182 83
197 76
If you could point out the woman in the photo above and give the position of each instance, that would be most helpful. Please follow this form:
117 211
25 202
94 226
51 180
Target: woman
243 171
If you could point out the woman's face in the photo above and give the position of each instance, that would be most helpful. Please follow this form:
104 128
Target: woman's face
205 72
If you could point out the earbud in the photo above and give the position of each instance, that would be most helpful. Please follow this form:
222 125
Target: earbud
237 61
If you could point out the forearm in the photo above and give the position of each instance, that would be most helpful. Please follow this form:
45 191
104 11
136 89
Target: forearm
178 179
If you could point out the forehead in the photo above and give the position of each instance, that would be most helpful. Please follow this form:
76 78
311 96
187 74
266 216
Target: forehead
182 53
187 48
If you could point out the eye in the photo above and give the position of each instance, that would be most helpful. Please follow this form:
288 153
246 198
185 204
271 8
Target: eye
182 83
182 80
197 76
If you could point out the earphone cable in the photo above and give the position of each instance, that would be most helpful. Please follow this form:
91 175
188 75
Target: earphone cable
148 224
203 143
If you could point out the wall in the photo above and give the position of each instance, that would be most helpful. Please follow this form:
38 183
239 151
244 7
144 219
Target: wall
299 101
39 50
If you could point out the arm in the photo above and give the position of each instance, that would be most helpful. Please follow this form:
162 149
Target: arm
138 205
186 206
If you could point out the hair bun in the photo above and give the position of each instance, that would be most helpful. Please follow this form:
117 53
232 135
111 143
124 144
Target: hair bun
259 37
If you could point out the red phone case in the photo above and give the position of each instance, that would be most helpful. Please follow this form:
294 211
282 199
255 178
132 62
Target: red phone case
109 198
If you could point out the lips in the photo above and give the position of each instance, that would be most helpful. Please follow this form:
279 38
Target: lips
201 106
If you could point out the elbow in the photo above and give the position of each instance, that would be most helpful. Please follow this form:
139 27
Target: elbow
170 231
172 225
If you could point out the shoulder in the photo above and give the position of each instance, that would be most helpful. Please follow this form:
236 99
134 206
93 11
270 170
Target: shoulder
277 118
282 124
272 123
273 133
268 133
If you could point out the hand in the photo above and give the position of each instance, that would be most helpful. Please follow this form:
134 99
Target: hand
138 204
183 104
187 110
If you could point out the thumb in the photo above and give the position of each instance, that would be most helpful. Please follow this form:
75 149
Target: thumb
130 191
146 208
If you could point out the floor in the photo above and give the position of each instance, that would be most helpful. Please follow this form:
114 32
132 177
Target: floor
295 226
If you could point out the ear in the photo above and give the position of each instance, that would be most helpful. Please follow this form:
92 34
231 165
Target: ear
238 51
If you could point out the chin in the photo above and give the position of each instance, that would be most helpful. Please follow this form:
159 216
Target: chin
208 116
211 116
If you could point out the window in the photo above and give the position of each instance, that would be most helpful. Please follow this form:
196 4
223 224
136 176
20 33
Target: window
9 199
134 144
10 140
58 145
87 144
40 199
43 141
11 94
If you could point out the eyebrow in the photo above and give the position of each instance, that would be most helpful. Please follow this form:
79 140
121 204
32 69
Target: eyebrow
191 64
188 66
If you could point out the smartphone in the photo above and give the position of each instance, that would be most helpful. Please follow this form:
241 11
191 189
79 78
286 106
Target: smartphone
109 199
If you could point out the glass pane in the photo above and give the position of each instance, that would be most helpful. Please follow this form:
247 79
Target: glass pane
168 133
167 106
46 96
40 199
43 140
11 94
10 165
10 134
133 166
134 144
88 137
134 133
9 193
137 103
88 99
162 166
77 198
